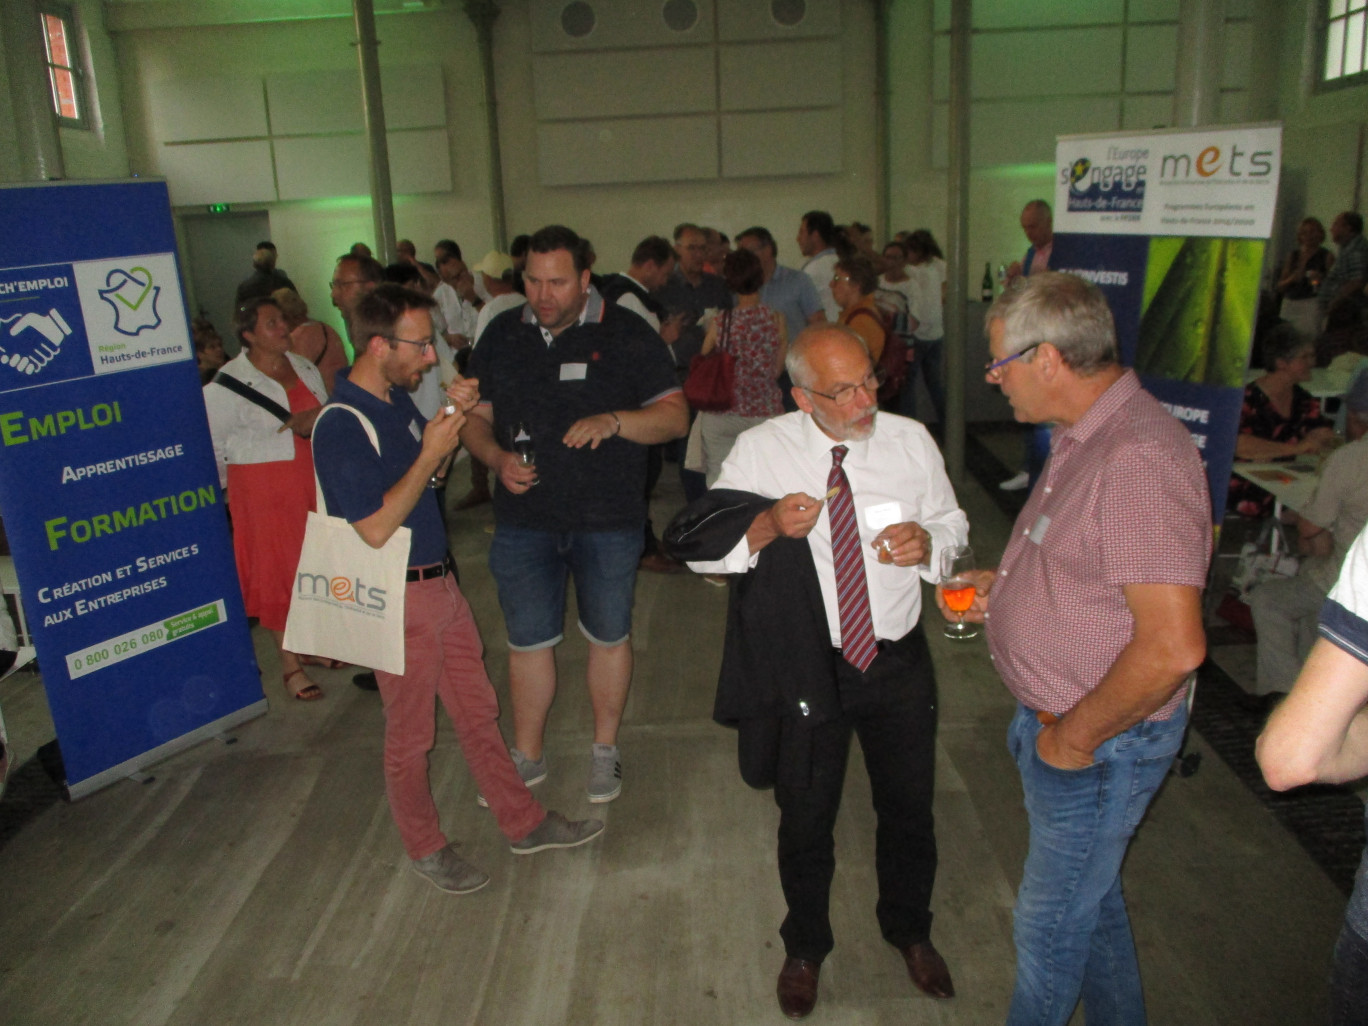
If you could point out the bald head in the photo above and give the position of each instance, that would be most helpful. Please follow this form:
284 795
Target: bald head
1037 221
834 381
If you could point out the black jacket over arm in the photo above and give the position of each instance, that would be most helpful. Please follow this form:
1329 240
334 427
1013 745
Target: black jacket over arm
778 677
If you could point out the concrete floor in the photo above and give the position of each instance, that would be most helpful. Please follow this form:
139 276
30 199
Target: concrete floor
263 882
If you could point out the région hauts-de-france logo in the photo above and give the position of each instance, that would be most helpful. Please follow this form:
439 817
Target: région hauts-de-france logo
134 297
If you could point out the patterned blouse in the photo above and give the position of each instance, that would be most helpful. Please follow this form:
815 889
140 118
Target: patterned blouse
755 342
1259 418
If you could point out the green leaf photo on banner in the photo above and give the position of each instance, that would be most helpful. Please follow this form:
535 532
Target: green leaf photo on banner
1197 318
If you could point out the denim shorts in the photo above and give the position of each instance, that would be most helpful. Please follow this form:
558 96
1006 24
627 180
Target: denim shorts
530 568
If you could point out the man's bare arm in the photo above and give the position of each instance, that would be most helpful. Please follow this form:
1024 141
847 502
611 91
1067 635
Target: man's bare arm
665 419
1320 732
1168 643
440 439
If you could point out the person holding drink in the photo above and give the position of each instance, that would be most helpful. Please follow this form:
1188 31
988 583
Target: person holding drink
831 517
590 387
1094 621
379 482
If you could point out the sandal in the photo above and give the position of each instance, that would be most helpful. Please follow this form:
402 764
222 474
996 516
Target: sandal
310 692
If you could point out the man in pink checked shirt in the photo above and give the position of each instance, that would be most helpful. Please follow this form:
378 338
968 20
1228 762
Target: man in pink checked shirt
1094 621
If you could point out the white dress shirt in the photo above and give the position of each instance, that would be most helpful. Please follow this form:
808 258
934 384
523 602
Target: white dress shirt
896 476
460 315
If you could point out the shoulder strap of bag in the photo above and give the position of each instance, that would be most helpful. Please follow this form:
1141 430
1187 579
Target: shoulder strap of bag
323 348
240 387
319 503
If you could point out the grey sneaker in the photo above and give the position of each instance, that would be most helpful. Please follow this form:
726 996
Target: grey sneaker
531 772
605 774
555 831
447 871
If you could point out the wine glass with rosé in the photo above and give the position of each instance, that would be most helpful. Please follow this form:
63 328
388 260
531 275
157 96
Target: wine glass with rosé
957 589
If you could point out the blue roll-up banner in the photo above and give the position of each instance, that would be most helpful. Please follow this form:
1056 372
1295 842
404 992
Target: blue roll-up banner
1172 226
108 485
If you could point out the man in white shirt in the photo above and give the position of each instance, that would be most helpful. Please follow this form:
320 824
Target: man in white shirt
454 298
495 274
865 510
817 242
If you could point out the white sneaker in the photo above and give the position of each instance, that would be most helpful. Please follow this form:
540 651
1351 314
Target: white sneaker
1017 483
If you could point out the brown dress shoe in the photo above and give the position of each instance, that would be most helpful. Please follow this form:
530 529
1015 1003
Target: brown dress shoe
928 970
798 987
659 563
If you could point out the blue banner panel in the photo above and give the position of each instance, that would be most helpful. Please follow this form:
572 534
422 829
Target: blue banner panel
1116 264
108 484
1212 416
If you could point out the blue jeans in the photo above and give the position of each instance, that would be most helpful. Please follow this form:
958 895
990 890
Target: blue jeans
1349 980
929 361
1072 934
530 567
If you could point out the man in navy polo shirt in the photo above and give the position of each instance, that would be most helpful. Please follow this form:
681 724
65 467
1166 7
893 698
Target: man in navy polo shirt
591 385
377 492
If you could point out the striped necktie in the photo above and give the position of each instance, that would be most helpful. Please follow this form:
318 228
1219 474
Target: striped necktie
858 644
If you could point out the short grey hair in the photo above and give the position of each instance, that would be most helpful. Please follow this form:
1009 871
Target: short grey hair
1064 310
796 360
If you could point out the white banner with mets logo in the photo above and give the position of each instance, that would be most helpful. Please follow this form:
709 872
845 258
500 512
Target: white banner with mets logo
348 600
1219 182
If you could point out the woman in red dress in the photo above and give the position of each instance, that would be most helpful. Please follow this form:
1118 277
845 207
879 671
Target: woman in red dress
267 467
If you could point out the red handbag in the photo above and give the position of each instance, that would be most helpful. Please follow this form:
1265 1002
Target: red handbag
712 376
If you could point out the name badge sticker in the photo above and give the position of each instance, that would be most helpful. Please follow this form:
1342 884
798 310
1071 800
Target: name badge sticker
573 371
1042 525
878 517
415 431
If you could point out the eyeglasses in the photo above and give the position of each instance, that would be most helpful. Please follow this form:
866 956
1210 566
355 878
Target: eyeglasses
337 283
845 396
839 277
994 370
423 347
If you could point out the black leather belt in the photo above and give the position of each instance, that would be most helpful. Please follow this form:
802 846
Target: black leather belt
425 573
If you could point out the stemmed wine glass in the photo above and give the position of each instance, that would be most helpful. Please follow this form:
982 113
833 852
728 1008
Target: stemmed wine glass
957 589
523 446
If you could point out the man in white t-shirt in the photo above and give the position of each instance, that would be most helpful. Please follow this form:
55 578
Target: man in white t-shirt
495 275
817 242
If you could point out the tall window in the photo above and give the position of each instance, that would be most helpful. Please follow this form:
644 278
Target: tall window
1344 41
64 72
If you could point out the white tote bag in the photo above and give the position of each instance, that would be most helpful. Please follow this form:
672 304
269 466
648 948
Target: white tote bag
348 599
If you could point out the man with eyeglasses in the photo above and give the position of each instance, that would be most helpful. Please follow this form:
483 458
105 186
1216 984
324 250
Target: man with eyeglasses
379 487
1094 621
824 639
592 387
353 277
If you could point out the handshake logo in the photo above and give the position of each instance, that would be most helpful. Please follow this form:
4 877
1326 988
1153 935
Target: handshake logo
31 341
